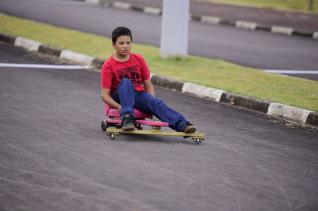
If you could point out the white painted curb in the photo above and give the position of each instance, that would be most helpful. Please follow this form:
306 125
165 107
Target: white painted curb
121 5
282 30
27 44
92 1
151 10
315 36
245 25
290 112
202 91
210 19
76 57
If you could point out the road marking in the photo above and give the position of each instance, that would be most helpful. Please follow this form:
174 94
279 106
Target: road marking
296 72
45 66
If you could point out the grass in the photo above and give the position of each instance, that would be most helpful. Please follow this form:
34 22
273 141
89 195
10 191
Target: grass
208 72
292 5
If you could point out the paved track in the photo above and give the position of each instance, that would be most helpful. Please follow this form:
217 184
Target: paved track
53 155
253 49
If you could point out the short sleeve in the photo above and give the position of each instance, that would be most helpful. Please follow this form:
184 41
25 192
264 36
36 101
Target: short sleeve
145 72
106 76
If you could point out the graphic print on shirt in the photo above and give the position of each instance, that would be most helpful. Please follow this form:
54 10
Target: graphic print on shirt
132 74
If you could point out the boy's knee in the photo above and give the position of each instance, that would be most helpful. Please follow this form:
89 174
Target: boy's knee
126 82
158 102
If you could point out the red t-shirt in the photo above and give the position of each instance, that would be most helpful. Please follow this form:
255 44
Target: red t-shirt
134 69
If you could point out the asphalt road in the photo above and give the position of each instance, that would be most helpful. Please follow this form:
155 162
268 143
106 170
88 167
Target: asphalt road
53 155
253 49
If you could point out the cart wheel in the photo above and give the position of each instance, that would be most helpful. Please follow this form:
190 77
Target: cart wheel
103 125
139 126
197 140
112 136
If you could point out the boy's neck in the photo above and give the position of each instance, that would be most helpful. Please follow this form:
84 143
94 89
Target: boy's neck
121 58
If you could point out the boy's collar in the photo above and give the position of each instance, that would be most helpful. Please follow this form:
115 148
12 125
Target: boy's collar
119 60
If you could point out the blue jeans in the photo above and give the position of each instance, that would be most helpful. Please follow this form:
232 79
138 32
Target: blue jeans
146 103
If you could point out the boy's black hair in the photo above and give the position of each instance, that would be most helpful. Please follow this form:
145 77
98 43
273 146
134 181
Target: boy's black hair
120 31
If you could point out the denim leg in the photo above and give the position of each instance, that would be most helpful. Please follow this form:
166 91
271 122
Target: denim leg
155 106
126 97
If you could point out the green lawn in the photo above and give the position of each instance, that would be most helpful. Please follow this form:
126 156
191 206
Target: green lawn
293 5
209 72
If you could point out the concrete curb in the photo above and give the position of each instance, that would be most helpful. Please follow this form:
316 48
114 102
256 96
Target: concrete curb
76 57
294 114
245 102
202 91
312 118
211 20
27 44
167 82
297 114
50 50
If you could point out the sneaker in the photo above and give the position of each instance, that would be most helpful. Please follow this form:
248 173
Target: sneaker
189 128
128 122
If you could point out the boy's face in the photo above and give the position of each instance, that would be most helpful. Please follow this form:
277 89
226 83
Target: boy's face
122 45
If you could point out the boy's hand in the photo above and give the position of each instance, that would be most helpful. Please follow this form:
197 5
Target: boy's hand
149 87
105 95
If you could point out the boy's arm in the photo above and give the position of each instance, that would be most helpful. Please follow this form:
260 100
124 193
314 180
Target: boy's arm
105 95
149 87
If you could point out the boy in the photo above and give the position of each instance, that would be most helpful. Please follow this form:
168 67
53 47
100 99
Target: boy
126 84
